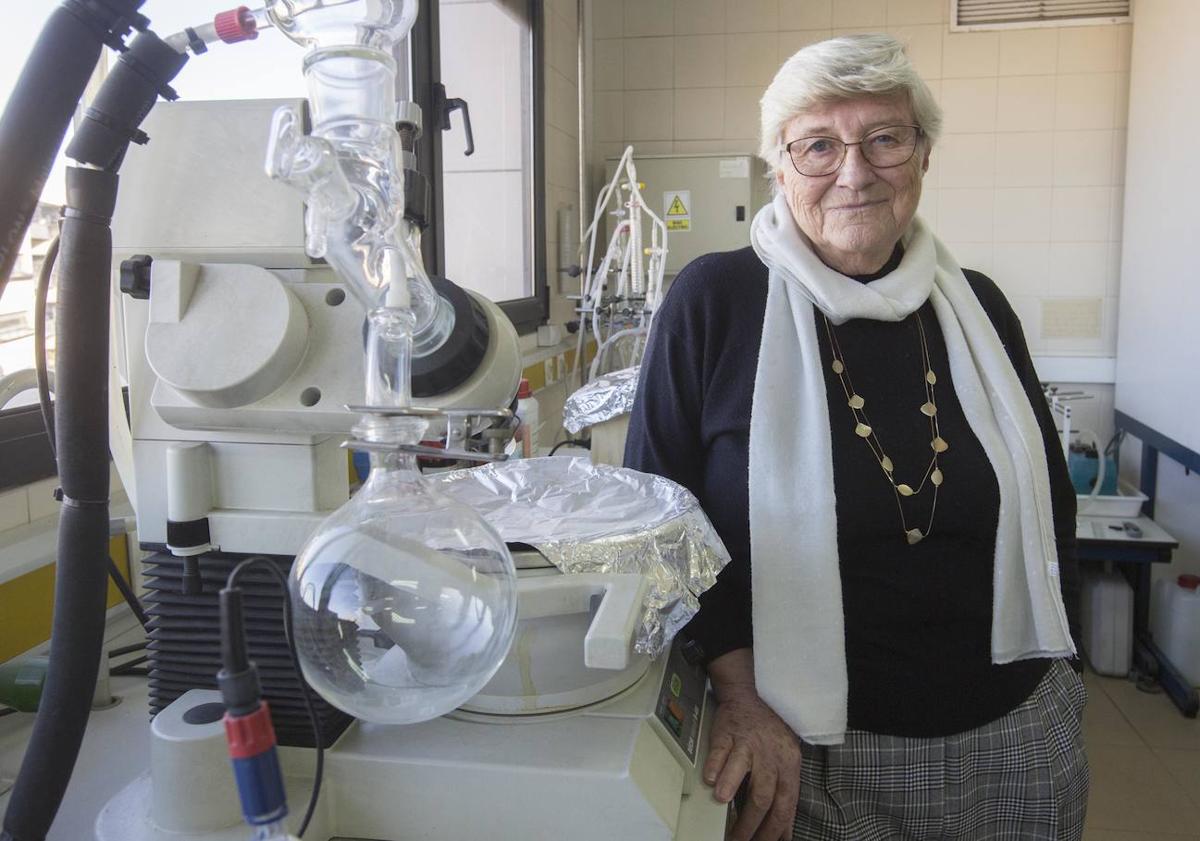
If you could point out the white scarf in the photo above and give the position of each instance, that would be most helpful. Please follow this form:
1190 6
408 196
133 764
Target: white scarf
799 633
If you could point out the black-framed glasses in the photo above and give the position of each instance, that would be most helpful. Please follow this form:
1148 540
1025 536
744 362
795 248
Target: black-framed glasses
883 148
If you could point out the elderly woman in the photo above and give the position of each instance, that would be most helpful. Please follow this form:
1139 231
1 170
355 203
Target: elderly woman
890 646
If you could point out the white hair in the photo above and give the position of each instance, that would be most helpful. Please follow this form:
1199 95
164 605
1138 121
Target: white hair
849 67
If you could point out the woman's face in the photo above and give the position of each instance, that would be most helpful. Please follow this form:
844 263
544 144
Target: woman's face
854 216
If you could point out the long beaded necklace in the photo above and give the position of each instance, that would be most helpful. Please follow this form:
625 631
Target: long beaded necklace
863 429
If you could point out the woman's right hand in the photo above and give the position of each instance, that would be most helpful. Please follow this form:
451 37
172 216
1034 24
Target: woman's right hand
748 738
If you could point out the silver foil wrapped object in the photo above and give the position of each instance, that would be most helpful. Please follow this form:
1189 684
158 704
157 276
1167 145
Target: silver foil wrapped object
604 398
596 518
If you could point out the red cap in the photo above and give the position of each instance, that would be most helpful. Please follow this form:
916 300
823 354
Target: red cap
1189 582
250 735
236 25
524 390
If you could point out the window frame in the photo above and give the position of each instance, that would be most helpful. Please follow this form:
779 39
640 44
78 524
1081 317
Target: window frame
525 313
24 448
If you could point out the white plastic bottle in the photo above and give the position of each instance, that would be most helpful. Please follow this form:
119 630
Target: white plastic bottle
527 414
1176 623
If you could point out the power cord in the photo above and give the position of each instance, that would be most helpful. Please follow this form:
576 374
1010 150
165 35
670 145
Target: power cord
587 445
41 295
238 678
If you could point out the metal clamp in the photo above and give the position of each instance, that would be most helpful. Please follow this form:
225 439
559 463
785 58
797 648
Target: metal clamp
458 430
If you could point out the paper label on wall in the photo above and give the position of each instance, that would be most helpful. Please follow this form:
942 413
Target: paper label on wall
734 168
677 210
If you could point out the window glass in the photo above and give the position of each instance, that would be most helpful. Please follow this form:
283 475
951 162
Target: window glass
268 67
22 25
487 59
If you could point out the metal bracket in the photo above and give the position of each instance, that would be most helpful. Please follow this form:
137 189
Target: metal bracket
458 430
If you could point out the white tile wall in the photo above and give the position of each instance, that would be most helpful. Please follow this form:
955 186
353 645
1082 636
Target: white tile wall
1022 214
965 215
1080 214
699 17
1085 100
648 17
1087 49
608 19
608 72
923 43
700 61
1083 158
1023 265
1028 52
967 160
970 54
860 14
1025 103
750 58
751 15
649 63
1026 182
1025 159
908 12
806 14
741 112
792 41
649 115
699 113
969 104
1074 267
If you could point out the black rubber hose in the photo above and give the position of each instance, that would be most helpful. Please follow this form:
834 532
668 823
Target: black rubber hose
41 107
43 384
81 414
133 85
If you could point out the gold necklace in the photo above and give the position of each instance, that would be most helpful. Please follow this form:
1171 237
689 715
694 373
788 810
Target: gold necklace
863 429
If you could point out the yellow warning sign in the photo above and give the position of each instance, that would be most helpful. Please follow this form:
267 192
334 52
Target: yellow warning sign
677 210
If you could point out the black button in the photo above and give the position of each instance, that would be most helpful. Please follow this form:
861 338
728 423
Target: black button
204 713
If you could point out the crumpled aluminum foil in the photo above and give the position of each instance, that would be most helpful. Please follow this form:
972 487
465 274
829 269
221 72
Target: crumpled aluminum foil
588 517
604 398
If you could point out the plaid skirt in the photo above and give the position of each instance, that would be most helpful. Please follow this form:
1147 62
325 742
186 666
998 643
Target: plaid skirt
1022 776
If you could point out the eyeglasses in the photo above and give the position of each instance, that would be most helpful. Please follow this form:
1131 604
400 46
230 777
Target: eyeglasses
883 148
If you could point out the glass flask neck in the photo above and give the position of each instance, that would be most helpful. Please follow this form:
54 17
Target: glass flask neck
392 467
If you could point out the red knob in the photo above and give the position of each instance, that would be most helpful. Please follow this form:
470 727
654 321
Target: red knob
236 25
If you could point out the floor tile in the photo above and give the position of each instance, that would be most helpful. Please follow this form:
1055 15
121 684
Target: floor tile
1090 834
1155 718
1133 791
1184 766
1103 723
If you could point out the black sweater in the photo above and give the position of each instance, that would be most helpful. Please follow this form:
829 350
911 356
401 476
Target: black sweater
918 618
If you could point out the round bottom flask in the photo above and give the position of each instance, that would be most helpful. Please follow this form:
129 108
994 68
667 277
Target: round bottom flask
404 601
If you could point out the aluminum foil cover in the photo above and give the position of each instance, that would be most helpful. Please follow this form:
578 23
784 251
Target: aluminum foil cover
588 517
604 398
